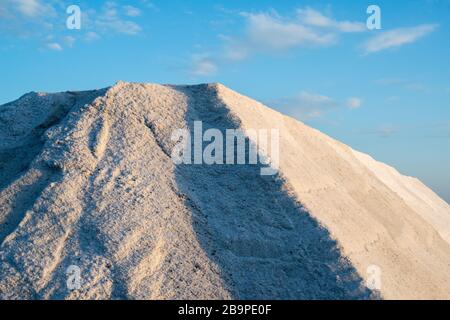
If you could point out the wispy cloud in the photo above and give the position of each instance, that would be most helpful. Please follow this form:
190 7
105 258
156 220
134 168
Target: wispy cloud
315 18
405 84
41 20
91 36
386 131
383 131
305 106
26 18
110 21
30 8
54 46
202 65
397 37
132 11
314 103
269 32
69 41
149 5
392 99
354 103
309 105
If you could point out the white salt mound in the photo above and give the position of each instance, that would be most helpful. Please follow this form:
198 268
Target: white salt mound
86 180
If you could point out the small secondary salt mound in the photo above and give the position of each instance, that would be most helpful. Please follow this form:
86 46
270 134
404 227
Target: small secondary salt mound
86 180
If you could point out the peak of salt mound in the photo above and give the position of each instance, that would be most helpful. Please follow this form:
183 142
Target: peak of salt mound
86 180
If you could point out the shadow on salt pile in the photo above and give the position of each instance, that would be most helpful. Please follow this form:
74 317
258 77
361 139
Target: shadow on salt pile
266 245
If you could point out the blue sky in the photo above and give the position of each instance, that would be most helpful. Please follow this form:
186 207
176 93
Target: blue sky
384 92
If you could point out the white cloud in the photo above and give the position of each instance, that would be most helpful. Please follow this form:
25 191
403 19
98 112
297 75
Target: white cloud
315 18
132 11
3 12
69 41
383 131
354 103
91 36
109 21
54 46
314 99
391 81
392 99
309 105
397 37
148 4
119 26
110 10
39 19
268 32
306 105
27 18
29 8
404 84
236 51
313 105
202 65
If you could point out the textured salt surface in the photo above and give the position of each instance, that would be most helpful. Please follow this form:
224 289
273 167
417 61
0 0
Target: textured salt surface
86 180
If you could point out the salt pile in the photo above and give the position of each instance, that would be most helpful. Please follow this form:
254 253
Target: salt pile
87 182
